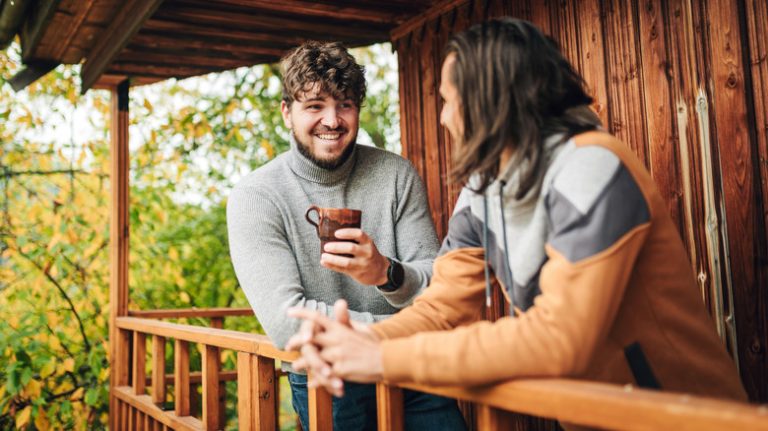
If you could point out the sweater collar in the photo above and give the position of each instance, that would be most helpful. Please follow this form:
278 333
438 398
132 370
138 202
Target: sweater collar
308 170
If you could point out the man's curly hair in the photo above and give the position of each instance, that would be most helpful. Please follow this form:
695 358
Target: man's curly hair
327 64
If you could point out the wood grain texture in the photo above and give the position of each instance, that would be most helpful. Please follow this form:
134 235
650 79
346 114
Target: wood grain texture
390 407
181 392
670 79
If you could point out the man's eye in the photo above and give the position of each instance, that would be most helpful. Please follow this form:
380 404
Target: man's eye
314 107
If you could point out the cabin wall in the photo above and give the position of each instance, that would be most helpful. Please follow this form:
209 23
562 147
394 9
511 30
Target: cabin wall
684 83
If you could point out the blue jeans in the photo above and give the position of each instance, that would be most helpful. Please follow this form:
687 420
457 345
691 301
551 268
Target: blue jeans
356 410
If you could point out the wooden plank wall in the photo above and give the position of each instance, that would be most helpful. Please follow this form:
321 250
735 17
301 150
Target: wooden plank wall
685 84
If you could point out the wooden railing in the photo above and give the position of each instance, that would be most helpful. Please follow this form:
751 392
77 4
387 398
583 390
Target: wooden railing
577 402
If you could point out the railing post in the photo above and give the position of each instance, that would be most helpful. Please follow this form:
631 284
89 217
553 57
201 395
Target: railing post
181 381
256 395
493 419
218 323
211 413
389 404
158 370
139 363
320 409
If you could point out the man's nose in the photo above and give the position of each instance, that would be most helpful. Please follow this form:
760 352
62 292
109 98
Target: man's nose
330 118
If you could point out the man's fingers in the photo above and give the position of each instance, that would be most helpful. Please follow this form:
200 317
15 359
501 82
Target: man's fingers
351 233
314 362
333 261
342 247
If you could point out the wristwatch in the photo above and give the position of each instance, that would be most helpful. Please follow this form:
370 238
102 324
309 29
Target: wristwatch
395 276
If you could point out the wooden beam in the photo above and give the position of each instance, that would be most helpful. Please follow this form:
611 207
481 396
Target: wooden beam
223 338
606 406
384 14
309 28
34 27
191 312
126 24
31 73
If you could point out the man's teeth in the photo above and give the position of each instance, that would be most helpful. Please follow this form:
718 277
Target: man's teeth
328 137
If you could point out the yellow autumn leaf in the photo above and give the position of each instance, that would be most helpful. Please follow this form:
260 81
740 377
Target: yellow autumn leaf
147 105
22 418
41 421
173 254
33 389
48 368
77 395
184 296
69 364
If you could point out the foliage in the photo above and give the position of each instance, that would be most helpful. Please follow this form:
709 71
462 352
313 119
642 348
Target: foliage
190 142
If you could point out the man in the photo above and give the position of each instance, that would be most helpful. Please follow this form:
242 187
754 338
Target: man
275 252
571 226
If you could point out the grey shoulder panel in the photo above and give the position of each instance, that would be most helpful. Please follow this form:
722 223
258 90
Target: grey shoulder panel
588 219
462 231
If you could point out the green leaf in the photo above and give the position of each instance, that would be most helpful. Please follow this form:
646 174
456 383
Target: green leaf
92 396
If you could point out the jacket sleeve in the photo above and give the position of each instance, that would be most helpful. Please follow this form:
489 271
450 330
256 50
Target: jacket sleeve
415 237
598 228
266 266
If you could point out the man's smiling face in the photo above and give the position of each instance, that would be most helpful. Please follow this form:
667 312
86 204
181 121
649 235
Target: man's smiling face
324 127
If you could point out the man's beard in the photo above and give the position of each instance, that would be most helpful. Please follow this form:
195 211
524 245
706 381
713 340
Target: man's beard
332 164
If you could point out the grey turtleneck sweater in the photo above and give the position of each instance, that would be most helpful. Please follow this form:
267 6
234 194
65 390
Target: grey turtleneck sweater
276 253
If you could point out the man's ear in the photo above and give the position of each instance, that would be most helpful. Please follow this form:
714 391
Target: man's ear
285 109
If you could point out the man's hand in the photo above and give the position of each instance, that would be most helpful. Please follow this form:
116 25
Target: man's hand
366 265
338 350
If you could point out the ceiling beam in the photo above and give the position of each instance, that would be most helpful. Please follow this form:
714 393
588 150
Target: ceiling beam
384 15
110 42
31 73
32 31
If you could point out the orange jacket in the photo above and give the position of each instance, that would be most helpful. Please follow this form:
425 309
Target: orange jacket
629 311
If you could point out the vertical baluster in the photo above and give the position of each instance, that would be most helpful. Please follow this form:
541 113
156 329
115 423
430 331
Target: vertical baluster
211 413
139 363
389 403
245 393
181 378
320 413
158 370
493 419
218 323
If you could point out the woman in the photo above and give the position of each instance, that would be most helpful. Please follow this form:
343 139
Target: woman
559 215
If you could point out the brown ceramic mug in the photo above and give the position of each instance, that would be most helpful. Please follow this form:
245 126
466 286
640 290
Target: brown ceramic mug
329 220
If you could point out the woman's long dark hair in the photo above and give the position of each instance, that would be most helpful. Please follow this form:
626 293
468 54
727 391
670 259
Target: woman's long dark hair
516 90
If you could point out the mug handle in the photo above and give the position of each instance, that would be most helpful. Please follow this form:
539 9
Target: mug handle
312 222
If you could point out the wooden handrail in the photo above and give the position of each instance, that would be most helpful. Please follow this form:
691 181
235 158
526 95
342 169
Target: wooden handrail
223 338
178 313
610 406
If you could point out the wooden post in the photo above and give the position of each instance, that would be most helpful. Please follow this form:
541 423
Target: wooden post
158 370
256 396
181 381
320 409
211 413
118 244
389 404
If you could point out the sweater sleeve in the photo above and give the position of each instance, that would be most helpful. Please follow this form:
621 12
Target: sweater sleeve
266 266
415 238
599 223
